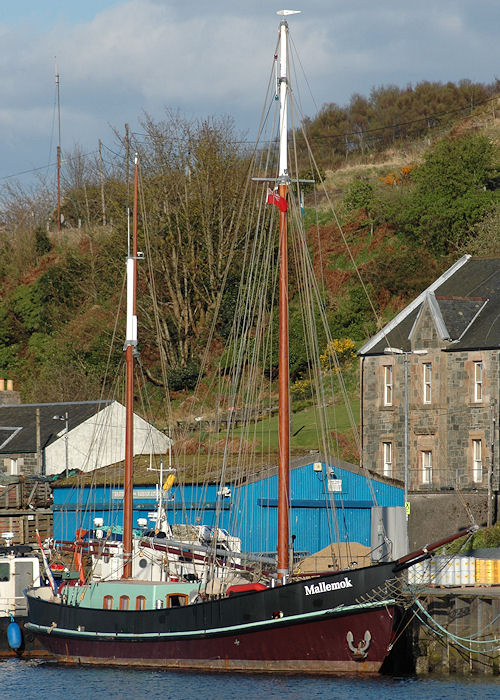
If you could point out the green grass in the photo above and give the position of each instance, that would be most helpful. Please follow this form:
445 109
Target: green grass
305 435
315 217
207 465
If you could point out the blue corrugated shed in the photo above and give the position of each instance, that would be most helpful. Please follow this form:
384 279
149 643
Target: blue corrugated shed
250 511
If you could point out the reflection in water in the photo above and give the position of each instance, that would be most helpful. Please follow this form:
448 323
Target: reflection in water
27 680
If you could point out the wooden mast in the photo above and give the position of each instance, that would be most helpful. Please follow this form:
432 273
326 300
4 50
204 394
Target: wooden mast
130 349
283 376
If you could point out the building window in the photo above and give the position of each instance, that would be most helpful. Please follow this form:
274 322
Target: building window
107 602
176 600
140 602
426 467
478 381
477 461
388 385
427 382
124 602
387 446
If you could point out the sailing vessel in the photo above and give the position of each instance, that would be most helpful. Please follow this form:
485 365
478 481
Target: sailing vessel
338 621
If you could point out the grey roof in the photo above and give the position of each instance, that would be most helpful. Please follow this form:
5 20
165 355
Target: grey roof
458 313
18 423
465 304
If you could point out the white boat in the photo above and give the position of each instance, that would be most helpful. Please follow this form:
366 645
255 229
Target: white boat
19 569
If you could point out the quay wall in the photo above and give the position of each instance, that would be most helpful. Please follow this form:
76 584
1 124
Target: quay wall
460 634
436 515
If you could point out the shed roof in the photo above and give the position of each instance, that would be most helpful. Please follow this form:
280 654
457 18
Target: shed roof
206 469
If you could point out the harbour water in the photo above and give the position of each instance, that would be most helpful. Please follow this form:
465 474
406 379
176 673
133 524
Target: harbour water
29 680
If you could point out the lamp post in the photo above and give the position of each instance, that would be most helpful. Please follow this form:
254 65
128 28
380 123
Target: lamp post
399 351
65 418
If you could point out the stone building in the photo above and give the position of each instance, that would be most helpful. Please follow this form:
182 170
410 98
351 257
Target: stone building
430 390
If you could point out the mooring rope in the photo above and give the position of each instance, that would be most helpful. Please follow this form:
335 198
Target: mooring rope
459 641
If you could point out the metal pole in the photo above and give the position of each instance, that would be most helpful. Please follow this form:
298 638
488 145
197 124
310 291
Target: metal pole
490 472
58 152
66 423
406 432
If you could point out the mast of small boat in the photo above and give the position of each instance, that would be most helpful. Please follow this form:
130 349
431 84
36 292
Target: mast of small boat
130 350
283 366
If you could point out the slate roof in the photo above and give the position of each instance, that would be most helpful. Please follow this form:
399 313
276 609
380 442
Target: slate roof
18 423
465 302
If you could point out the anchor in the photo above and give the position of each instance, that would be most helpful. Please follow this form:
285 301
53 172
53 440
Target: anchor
361 651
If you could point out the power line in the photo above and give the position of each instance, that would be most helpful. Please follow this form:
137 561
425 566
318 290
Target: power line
323 137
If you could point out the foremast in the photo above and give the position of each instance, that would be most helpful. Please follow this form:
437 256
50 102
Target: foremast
283 372
130 349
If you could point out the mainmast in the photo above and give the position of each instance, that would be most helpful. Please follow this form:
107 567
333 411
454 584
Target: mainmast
130 349
283 377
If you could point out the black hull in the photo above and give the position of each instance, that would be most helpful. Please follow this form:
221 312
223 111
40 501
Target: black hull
337 623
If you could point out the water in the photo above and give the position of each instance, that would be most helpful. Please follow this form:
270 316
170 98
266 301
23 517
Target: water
24 680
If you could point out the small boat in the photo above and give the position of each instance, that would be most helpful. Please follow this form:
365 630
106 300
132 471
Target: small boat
341 621
19 569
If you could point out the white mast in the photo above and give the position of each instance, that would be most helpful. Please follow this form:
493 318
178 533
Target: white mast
283 85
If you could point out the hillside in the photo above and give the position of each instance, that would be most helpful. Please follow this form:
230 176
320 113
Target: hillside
408 209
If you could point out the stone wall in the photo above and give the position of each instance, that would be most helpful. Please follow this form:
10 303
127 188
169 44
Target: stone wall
446 426
434 516
27 464
466 615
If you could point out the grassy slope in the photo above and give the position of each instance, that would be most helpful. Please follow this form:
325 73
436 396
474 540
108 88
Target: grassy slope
305 435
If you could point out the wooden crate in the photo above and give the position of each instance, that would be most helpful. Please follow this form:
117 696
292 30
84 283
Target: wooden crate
24 524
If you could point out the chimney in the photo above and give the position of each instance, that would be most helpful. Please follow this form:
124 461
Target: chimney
8 396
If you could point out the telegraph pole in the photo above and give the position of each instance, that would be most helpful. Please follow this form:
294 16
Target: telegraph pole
58 150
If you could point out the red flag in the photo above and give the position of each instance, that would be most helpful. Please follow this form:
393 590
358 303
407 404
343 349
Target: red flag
277 200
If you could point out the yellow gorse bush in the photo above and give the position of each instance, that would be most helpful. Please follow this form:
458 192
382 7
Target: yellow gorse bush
301 389
343 348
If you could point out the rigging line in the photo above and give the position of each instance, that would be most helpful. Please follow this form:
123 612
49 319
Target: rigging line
460 641
240 348
294 54
52 128
97 439
229 258
391 127
154 297
27 172
118 155
312 350
342 135
344 239
311 334
254 282
337 136
343 387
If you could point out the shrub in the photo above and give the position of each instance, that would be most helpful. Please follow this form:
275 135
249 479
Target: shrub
180 378
343 349
301 389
